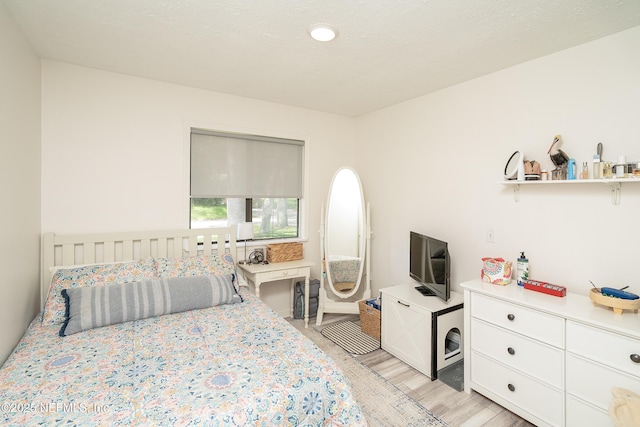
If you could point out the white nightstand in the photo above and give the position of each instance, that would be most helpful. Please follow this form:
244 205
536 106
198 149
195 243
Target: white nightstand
264 273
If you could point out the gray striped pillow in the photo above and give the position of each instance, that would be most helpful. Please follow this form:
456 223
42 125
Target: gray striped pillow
96 306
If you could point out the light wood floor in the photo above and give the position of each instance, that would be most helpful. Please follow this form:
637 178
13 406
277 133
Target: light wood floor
454 407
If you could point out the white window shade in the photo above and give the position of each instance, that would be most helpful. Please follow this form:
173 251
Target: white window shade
246 166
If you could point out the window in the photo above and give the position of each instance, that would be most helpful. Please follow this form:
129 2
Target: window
246 178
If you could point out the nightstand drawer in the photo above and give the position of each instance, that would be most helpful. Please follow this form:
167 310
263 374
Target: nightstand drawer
543 401
282 274
532 357
532 323
605 347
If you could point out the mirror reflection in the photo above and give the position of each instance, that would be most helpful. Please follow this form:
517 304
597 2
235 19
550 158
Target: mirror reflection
344 239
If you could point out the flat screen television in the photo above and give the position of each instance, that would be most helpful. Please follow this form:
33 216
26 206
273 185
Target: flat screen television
430 265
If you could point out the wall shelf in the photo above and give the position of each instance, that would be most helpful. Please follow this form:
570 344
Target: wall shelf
614 183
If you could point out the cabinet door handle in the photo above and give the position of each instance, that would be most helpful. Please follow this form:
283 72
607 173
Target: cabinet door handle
511 351
635 358
511 387
401 303
511 316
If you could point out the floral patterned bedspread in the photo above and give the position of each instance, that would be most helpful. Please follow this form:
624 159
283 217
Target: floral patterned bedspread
238 364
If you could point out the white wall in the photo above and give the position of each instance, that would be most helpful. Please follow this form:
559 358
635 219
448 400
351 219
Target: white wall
19 183
114 159
433 165
115 150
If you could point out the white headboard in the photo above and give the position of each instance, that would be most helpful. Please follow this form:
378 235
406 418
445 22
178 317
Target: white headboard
78 249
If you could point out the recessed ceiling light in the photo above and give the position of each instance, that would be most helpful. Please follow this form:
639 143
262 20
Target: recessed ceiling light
322 32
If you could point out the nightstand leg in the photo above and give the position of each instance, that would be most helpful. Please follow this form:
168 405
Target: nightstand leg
306 301
292 294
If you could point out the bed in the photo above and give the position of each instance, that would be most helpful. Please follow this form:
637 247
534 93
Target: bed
233 363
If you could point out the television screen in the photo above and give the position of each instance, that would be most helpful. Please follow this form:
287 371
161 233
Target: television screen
429 264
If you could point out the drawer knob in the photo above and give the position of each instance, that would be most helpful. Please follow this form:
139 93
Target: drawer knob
511 387
511 316
635 358
511 351
284 273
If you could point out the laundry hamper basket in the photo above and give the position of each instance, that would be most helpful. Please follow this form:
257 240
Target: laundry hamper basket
369 319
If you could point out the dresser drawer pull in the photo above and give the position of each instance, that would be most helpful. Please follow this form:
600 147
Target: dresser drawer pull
401 303
511 351
284 273
511 387
511 316
635 358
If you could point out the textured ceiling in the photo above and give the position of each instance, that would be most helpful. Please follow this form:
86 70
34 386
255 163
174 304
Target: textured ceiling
386 51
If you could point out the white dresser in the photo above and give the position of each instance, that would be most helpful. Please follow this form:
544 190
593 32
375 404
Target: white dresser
551 360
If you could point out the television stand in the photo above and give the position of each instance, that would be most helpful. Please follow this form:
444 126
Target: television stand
425 291
426 333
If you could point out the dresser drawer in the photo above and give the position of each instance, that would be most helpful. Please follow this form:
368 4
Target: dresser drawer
593 382
581 414
604 347
543 401
541 326
283 274
536 359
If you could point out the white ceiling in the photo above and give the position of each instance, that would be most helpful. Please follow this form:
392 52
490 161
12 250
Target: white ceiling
387 51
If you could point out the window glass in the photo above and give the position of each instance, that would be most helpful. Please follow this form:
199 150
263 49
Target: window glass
272 218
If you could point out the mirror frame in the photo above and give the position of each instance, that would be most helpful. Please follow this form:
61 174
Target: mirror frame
511 168
362 230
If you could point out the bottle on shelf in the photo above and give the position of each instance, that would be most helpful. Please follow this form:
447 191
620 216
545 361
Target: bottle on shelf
597 167
571 169
585 171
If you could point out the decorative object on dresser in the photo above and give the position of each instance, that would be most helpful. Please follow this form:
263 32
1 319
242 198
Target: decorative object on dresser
496 271
345 237
553 361
625 408
617 304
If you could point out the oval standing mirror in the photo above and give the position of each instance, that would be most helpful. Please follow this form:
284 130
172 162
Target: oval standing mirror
345 233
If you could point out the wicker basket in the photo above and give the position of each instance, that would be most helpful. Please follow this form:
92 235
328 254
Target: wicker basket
369 320
282 252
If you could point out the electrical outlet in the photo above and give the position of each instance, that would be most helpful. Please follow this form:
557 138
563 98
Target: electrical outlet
491 237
